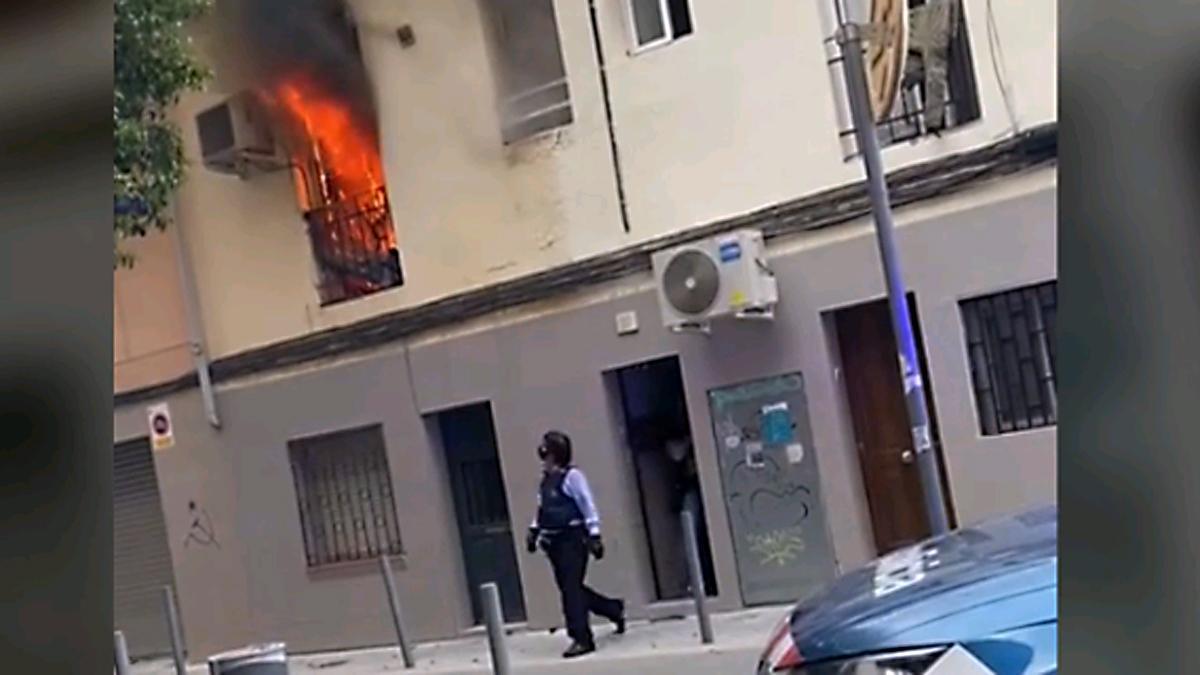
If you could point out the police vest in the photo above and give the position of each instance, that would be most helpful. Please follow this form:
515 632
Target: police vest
558 511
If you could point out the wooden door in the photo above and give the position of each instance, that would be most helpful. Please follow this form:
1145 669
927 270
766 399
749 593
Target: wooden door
871 374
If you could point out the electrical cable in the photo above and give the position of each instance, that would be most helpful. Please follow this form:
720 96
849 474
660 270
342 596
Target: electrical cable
998 67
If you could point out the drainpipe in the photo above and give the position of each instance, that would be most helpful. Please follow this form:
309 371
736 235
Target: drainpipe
598 44
191 307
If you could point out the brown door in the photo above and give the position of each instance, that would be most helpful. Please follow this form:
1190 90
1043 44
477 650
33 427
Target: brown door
871 373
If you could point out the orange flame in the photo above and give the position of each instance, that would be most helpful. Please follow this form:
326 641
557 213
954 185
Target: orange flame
343 154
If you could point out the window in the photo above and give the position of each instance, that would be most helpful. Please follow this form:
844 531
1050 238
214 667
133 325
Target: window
937 90
1010 344
531 80
354 247
344 493
339 181
657 22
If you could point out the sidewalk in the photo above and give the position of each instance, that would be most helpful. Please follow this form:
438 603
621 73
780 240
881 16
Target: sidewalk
658 647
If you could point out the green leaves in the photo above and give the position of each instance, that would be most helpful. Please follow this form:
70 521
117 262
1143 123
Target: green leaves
153 66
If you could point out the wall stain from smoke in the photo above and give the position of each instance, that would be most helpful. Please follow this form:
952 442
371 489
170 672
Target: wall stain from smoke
538 148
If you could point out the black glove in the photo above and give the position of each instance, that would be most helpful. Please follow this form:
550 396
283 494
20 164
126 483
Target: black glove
596 546
531 540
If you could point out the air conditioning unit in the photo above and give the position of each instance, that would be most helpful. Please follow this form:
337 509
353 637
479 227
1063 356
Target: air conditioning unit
717 277
236 138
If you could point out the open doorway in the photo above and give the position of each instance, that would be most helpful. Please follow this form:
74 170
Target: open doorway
481 507
875 394
658 434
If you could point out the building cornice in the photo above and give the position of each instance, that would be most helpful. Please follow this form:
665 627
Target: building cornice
936 178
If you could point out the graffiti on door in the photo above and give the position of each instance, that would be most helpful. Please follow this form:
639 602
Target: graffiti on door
772 488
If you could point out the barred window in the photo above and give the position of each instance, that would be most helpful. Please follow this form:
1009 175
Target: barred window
344 493
1010 342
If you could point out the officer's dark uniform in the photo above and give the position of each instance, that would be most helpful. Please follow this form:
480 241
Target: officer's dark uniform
563 535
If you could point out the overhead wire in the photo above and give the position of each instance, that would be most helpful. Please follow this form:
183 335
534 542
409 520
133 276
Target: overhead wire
999 69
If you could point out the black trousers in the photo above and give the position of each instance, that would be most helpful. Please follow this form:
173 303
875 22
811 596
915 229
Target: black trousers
569 558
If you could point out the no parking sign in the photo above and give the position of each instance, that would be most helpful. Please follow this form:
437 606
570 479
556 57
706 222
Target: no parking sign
162 433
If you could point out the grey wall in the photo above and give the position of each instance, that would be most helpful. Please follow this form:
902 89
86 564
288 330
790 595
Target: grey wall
257 586
548 372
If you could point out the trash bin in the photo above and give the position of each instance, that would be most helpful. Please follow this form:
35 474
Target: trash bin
267 659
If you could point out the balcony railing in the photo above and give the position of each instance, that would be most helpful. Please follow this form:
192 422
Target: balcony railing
354 247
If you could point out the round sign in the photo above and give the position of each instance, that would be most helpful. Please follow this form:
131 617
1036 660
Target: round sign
160 424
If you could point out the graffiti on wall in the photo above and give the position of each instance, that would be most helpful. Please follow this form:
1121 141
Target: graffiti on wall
201 532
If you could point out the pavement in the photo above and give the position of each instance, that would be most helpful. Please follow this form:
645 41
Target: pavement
665 646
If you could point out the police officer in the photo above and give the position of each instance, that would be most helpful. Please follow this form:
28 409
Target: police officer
567 528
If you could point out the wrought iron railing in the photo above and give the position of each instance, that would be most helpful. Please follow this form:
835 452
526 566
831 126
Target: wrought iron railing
354 247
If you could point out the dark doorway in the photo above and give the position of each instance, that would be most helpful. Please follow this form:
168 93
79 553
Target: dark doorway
871 371
659 435
481 506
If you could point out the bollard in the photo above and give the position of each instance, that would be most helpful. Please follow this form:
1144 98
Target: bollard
120 653
696 576
494 617
389 583
177 651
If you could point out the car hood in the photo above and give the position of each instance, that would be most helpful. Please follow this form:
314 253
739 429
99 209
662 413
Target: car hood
969 584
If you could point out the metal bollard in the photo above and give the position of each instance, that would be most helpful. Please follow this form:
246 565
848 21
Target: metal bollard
389 582
120 653
696 576
177 649
494 616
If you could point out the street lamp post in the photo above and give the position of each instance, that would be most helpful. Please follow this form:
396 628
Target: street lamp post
849 38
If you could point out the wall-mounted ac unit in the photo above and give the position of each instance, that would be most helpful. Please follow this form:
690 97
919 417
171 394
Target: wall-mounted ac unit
721 276
236 138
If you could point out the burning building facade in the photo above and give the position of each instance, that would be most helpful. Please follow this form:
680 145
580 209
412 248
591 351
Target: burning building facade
303 63
526 156
339 186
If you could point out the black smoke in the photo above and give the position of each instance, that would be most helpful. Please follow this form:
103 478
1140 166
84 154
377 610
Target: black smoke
278 39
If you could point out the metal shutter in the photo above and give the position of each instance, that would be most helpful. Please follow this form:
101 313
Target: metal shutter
141 557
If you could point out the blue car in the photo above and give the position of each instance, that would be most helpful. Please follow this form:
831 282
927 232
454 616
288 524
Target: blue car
981 599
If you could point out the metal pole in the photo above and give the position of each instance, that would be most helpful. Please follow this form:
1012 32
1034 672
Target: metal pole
849 37
195 324
494 617
696 575
177 649
385 567
120 653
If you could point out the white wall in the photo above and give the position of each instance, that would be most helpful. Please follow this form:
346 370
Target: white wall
738 116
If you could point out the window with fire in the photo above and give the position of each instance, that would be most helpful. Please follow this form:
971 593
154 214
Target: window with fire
334 148
937 89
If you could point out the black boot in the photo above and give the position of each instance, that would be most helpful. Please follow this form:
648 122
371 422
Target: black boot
620 621
578 649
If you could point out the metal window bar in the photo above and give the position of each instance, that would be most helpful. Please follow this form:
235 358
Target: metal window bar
347 478
906 122
302 502
370 531
353 247
382 525
345 505
1010 339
